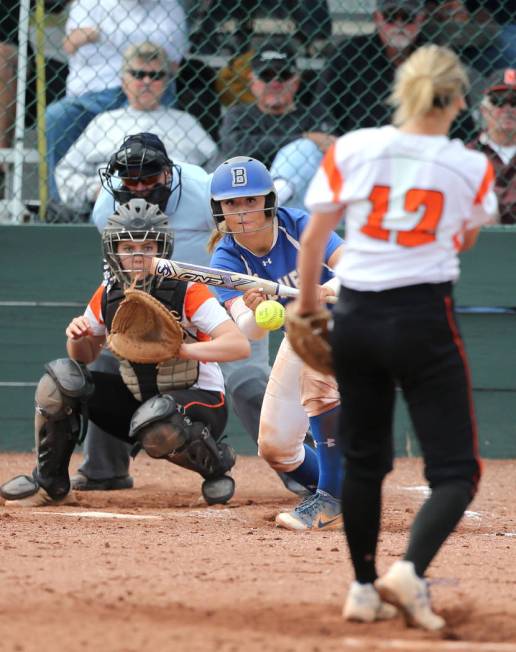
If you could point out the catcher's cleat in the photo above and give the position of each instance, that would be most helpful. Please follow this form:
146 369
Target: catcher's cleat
218 490
81 482
401 587
24 491
317 512
364 605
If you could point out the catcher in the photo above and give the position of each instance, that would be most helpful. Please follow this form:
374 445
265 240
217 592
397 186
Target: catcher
169 399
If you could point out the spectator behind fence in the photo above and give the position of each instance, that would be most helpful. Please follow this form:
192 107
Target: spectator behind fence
276 117
498 139
145 74
447 23
97 35
354 85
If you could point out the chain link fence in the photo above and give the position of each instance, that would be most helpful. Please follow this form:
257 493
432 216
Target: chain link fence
274 79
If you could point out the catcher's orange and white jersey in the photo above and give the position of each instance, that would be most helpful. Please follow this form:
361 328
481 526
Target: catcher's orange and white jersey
409 199
202 313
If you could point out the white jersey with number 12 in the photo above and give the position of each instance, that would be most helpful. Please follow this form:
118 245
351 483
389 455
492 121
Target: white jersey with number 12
408 201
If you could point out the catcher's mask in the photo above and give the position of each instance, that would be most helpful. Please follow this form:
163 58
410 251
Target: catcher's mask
137 221
242 176
142 160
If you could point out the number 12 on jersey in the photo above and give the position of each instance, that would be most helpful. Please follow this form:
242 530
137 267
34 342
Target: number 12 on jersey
424 232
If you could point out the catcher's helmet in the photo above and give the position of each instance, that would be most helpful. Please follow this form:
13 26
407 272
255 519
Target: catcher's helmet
140 158
241 176
137 220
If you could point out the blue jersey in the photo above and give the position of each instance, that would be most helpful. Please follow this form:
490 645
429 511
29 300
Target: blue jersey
278 264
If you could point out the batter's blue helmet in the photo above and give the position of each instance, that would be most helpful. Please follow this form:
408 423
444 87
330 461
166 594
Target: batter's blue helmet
241 176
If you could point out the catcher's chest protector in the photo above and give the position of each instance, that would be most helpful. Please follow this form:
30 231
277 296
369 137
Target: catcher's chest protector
146 380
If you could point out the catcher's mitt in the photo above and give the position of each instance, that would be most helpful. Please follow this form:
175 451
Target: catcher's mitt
143 330
308 336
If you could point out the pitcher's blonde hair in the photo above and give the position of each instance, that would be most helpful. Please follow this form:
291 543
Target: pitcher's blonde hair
430 78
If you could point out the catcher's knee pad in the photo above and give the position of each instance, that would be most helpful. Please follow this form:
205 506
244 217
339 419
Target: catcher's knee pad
61 397
160 426
62 389
166 432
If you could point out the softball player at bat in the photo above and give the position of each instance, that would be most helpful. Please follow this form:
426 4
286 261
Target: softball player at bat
413 200
255 237
174 410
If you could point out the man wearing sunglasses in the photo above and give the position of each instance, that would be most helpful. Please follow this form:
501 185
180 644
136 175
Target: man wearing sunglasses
357 78
498 139
277 116
355 83
145 75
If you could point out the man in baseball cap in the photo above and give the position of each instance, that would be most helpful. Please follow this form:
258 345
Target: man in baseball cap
502 80
399 22
498 139
271 62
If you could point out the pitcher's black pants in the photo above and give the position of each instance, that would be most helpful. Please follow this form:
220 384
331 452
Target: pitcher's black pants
405 337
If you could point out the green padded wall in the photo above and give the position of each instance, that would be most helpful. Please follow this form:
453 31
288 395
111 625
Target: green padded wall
48 273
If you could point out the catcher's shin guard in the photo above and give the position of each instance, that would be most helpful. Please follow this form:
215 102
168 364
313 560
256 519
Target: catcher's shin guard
61 397
166 432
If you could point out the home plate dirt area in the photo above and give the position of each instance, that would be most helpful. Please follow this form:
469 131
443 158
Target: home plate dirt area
155 569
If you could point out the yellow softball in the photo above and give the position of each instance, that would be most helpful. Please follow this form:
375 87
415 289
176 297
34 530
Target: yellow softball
270 315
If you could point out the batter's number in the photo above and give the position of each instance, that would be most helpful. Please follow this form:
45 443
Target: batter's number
422 233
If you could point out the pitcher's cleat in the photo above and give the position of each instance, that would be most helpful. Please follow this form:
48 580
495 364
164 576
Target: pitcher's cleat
401 587
364 605
317 512
24 491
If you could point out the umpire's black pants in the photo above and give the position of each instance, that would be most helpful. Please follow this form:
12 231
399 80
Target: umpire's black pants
406 337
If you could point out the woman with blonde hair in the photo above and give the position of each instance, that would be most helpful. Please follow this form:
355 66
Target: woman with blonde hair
413 200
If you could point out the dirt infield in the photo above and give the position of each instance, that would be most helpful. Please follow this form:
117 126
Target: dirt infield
155 569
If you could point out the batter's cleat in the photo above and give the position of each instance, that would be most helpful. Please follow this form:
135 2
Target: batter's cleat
401 587
363 605
218 491
81 482
317 512
24 491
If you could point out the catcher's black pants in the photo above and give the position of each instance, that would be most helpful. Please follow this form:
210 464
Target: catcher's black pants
112 406
404 337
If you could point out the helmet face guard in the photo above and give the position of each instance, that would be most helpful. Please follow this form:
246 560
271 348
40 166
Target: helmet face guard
139 161
137 221
242 176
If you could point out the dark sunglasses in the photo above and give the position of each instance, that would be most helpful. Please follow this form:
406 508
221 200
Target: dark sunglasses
398 16
153 75
132 182
503 98
269 74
